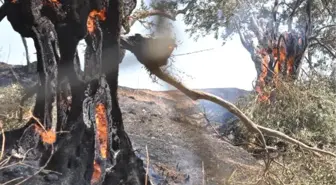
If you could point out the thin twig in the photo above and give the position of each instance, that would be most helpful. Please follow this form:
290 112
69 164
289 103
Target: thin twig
45 171
41 169
3 141
147 168
5 161
38 121
203 173
15 179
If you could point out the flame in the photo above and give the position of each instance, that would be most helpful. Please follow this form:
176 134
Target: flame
280 62
290 65
55 1
284 60
101 122
102 132
262 76
91 19
48 136
96 172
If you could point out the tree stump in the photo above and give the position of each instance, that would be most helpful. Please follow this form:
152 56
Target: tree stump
81 154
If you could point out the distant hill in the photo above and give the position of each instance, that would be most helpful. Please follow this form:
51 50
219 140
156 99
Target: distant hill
215 113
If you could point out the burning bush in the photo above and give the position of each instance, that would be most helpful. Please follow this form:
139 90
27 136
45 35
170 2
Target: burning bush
305 110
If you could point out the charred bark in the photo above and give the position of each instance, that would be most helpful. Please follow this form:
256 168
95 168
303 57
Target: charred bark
88 145
74 152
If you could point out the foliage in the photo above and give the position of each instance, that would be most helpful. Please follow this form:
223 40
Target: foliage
10 97
305 110
220 18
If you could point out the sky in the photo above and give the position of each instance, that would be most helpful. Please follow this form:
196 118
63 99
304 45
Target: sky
223 67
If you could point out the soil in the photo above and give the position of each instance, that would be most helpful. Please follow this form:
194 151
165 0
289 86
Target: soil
182 147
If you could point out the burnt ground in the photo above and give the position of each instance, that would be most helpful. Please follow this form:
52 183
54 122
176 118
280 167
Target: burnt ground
176 134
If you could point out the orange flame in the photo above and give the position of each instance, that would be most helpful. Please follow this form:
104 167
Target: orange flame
262 76
54 1
288 61
101 122
48 136
290 65
96 172
102 132
280 62
91 27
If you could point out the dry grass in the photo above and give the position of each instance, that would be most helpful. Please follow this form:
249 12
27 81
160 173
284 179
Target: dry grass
305 111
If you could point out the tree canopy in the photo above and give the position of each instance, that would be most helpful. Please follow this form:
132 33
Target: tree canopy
225 18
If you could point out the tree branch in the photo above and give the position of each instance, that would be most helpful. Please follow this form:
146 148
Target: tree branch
241 36
325 47
25 45
291 15
188 7
3 12
251 126
323 27
276 23
145 14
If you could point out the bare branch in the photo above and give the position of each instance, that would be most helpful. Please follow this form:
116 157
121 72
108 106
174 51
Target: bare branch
145 14
333 54
25 45
241 36
276 23
291 15
188 7
323 27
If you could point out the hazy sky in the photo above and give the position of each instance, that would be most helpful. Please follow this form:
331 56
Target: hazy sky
225 66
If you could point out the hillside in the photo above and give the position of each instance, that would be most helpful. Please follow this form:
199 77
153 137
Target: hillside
174 129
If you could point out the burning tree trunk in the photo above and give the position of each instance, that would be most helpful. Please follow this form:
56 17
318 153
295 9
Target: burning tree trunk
88 144
276 56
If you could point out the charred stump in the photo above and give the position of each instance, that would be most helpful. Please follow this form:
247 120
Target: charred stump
87 144
84 153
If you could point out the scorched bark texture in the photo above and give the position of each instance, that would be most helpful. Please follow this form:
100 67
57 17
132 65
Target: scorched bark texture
87 143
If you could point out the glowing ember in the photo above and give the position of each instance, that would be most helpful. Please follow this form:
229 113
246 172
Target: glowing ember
96 173
290 65
101 123
262 76
282 59
48 136
91 19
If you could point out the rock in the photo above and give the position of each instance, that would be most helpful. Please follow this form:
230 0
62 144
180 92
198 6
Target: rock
51 177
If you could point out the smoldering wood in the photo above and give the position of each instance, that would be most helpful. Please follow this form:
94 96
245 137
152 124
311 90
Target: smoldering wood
71 157
269 40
